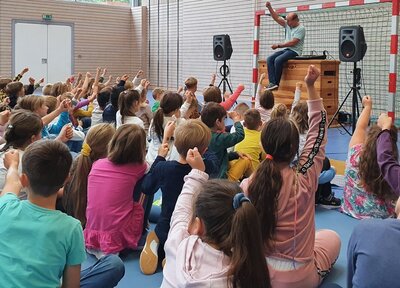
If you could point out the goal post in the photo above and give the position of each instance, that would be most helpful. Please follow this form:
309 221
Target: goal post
379 19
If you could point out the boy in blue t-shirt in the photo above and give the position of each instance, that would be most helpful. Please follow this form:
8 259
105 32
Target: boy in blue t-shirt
40 245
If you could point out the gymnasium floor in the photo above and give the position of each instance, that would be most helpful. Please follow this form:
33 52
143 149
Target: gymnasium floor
342 224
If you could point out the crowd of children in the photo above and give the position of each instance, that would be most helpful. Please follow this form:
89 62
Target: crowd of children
237 208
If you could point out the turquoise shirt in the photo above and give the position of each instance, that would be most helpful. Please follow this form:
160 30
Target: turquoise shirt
36 244
298 32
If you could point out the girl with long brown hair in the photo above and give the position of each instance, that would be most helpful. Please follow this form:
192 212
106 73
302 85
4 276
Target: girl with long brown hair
75 190
297 255
215 238
366 193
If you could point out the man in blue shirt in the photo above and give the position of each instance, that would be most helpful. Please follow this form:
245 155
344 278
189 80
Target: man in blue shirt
293 45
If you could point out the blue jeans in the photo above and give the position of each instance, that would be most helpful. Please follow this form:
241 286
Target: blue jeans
275 64
105 273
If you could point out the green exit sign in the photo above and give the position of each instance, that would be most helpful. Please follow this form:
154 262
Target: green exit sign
47 17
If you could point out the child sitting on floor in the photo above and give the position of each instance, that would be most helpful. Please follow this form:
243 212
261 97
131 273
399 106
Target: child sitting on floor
215 236
56 248
114 221
214 115
168 176
366 193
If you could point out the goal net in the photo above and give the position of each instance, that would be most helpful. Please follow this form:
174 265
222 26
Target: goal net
322 34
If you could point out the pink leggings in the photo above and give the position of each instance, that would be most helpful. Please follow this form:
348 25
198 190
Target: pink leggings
326 251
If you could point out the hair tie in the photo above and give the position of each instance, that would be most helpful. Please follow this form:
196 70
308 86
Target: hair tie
269 157
238 200
9 126
86 149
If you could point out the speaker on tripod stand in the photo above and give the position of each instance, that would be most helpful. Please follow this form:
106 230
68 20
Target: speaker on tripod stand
222 49
352 48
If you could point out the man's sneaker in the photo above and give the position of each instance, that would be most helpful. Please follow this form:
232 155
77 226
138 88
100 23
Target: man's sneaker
149 256
329 203
272 86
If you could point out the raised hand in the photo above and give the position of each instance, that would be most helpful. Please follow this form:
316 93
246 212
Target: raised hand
367 101
163 150
169 131
26 69
312 75
234 116
194 159
384 121
139 73
11 158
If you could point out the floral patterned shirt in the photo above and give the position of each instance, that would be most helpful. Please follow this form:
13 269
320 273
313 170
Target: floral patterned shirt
358 202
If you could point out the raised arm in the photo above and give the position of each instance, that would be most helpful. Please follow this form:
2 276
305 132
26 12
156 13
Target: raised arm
11 162
362 123
388 164
311 158
278 19
232 99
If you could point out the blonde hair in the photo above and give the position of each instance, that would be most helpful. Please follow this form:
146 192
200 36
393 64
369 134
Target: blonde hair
300 116
128 145
128 85
47 89
75 191
241 108
58 89
279 110
190 134
190 82
51 103
157 91
30 102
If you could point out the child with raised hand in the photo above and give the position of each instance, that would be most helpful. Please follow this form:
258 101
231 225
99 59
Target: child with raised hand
213 94
169 110
284 198
250 146
324 196
214 115
56 249
24 128
387 154
168 176
114 219
215 238
144 112
265 100
367 248
75 190
279 110
366 193
37 105
157 93
128 104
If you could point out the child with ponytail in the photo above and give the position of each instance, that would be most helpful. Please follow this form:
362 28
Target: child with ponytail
93 149
215 238
296 254
169 110
23 129
128 104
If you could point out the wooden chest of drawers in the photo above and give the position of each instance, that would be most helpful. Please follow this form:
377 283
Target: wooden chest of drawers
294 71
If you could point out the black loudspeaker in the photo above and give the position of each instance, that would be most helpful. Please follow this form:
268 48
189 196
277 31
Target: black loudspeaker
352 46
222 47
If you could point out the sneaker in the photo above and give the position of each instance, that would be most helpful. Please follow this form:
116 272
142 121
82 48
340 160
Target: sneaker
149 256
272 86
329 203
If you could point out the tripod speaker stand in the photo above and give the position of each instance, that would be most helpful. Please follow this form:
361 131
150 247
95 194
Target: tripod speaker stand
224 71
355 93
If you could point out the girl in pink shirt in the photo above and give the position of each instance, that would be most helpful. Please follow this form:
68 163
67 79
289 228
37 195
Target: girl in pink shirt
114 220
215 238
284 197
